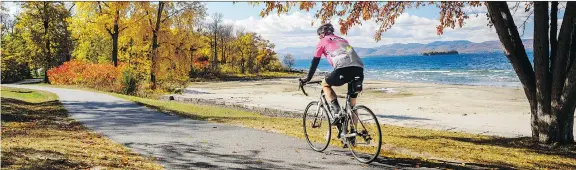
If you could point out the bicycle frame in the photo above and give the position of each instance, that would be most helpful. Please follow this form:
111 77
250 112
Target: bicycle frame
347 120
323 104
331 116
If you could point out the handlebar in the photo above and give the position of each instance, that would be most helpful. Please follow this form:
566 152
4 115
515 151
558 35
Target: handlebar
301 86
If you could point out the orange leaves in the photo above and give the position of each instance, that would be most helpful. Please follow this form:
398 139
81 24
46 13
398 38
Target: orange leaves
452 13
306 5
98 76
201 62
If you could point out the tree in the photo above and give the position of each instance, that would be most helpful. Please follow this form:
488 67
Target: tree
549 87
43 27
7 23
114 11
95 20
166 14
288 61
225 36
215 28
155 31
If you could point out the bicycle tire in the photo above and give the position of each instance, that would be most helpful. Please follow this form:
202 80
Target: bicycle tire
326 123
370 147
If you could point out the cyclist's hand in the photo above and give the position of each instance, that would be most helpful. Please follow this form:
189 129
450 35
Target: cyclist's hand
303 80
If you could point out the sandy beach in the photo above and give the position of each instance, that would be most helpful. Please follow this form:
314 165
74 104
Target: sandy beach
474 109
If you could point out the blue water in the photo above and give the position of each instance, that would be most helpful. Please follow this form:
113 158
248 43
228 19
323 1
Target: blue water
487 69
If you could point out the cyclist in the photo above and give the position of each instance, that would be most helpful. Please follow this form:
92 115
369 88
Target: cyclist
347 65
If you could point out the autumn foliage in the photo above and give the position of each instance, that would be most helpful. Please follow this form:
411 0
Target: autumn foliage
99 76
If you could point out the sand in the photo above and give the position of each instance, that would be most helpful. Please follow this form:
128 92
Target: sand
474 109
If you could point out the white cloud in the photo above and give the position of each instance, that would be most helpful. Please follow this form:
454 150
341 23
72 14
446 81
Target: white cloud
295 29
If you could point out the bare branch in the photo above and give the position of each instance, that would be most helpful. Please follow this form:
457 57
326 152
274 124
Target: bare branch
100 8
523 25
515 8
105 4
70 9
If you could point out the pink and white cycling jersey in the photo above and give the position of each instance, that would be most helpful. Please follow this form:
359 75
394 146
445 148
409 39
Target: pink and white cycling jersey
338 52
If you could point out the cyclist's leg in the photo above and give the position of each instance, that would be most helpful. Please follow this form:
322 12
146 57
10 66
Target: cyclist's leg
333 79
354 89
330 94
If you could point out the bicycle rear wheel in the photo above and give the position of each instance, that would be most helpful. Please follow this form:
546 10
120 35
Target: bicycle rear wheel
368 136
316 127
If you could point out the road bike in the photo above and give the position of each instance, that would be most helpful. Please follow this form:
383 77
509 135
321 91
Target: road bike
358 127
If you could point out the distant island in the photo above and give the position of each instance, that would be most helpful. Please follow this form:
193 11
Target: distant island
429 53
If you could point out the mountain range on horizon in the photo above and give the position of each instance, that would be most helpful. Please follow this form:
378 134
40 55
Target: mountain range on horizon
400 49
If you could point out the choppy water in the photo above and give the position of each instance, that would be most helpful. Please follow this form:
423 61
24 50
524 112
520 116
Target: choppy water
488 69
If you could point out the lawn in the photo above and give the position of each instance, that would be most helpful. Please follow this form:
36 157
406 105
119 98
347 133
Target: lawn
38 134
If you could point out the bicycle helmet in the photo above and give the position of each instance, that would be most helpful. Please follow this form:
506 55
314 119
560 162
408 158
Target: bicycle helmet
325 29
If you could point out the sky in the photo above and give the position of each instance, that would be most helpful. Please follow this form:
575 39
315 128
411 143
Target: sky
295 30
414 26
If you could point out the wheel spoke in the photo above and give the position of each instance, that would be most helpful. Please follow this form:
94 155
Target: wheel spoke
369 138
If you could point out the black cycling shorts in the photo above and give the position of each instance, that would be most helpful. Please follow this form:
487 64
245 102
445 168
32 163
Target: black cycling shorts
345 75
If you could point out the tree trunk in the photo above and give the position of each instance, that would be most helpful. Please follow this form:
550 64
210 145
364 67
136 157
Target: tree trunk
551 95
223 53
553 33
115 35
215 57
46 24
546 118
242 65
564 90
510 38
155 44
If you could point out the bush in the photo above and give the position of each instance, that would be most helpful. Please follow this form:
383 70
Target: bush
129 82
99 76
122 79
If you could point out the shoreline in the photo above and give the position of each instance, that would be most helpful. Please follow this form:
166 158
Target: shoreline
500 111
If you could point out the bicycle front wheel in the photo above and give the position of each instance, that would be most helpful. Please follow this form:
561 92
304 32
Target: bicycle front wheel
367 141
316 127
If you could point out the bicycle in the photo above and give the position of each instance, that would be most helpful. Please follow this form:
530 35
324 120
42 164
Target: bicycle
364 146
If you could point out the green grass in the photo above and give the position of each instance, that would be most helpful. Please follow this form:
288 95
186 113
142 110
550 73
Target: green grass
414 146
38 134
28 95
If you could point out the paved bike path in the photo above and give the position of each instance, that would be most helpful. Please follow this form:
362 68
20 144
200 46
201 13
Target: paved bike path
181 143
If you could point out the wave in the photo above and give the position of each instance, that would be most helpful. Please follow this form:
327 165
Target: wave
431 71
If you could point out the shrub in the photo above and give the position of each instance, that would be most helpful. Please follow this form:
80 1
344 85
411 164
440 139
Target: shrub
99 76
106 77
129 82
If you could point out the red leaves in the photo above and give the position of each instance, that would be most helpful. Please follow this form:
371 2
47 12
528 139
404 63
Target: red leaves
99 76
